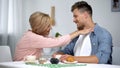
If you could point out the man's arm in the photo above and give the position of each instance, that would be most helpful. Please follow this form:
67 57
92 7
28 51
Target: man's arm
81 59
105 48
87 59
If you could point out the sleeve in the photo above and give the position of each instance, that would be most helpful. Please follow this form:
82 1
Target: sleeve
37 41
105 48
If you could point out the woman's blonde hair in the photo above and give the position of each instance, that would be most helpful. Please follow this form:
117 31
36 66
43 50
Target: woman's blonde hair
39 22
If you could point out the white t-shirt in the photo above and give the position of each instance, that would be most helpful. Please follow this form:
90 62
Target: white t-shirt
83 46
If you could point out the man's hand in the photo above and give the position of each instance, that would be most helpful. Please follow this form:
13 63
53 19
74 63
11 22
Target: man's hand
53 55
57 53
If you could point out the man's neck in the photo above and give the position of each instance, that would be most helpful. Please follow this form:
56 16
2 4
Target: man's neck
89 24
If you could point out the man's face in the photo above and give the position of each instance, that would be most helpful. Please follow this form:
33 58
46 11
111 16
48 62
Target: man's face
78 18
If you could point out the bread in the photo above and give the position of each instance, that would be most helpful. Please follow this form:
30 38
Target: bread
70 59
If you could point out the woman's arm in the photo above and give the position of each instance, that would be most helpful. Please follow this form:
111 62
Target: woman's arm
79 32
38 41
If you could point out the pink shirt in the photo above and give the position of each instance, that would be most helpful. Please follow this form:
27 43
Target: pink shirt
32 44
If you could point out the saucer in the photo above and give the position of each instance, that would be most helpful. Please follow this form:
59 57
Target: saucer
70 62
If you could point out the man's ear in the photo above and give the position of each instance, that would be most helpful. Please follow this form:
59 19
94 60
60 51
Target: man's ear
86 15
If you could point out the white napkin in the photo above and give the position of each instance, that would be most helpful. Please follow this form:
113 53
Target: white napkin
83 46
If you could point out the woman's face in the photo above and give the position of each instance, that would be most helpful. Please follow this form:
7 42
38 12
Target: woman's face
47 30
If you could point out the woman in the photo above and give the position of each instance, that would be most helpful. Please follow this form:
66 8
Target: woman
37 38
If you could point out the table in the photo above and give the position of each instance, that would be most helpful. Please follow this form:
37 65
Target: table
21 64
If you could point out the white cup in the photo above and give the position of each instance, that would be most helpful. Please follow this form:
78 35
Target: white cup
30 58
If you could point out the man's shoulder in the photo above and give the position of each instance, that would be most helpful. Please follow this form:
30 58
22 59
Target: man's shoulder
75 39
102 32
72 43
99 29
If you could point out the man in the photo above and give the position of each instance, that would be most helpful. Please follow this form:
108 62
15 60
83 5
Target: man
95 47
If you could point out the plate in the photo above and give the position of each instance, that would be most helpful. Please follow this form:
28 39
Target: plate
70 62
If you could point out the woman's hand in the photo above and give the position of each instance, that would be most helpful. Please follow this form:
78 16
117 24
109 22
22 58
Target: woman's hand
85 31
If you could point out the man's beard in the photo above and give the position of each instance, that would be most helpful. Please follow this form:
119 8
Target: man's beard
80 27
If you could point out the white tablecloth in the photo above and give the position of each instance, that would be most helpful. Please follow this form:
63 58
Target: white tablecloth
22 64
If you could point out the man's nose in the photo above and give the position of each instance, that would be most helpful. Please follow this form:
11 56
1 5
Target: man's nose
74 20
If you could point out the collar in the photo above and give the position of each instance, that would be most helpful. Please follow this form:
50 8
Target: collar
96 29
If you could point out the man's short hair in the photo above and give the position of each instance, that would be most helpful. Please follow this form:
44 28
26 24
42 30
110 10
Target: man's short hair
82 6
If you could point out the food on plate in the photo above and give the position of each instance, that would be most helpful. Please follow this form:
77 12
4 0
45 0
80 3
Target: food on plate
54 60
70 59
